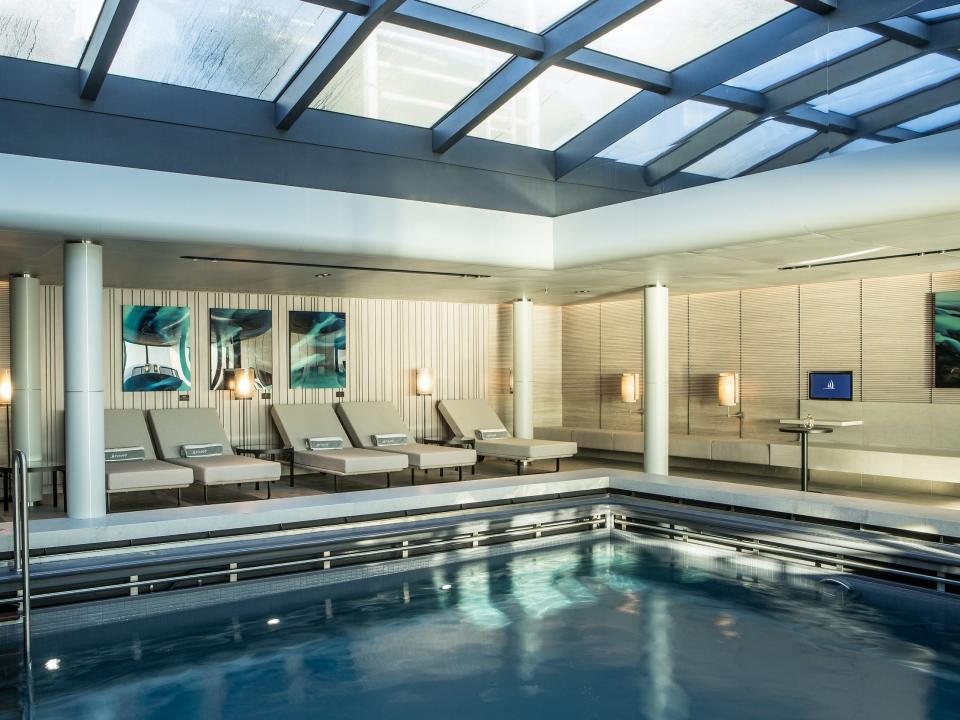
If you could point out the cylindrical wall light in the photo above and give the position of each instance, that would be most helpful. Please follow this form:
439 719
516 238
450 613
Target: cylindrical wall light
425 381
244 387
630 387
728 389
6 387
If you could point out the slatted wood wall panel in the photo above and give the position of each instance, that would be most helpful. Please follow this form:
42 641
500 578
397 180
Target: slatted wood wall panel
830 330
770 330
621 350
897 337
943 282
386 341
714 348
680 364
581 366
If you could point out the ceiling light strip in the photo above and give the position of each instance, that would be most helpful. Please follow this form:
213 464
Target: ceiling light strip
284 263
922 253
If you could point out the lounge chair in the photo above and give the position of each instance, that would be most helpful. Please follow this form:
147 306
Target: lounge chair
378 425
475 420
195 439
132 464
301 426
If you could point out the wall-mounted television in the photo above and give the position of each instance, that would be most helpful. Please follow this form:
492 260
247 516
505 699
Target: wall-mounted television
830 385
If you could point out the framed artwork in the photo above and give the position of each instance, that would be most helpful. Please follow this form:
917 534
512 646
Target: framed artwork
241 338
946 333
318 349
156 348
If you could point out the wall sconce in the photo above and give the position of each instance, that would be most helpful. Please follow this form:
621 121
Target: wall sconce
630 387
510 373
425 381
728 392
243 385
6 387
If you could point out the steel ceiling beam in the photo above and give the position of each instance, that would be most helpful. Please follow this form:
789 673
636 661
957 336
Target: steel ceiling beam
115 17
332 54
821 7
779 36
576 31
879 124
903 29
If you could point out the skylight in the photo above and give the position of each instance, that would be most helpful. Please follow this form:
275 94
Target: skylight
407 76
940 14
663 133
671 33
553 108
944 117
823 50
533 15
750 149
859 146
239 47
50 31
893 84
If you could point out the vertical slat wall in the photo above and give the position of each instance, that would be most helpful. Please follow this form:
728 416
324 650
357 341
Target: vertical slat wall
581 366
468 346
4 357
714 348
621 350
830 331
770 328
881 328
897 336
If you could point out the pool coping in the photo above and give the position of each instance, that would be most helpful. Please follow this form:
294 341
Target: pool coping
170 522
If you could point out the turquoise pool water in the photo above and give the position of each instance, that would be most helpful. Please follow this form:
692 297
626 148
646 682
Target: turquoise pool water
595 630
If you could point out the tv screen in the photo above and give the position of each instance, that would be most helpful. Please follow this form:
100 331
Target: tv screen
835 385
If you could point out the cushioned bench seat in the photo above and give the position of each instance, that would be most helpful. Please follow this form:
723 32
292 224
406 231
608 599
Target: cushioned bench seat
518 449
881 461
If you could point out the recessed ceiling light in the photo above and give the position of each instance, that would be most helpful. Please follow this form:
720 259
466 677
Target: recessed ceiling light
322 275
581 292
845 256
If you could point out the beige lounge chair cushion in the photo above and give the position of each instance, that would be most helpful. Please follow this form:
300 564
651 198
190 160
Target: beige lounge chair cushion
350 461
363 420
131 475
126 429
298 423
187 426
223 469
433 456
465 417
517 449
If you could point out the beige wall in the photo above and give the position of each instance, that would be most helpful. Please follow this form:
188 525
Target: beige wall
469 346
879 328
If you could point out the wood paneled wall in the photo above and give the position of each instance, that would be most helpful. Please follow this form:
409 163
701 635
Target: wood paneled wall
880 328
469 347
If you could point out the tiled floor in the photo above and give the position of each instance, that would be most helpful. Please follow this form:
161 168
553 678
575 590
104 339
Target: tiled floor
317 485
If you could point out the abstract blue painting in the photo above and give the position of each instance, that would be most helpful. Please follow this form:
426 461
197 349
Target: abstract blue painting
318 349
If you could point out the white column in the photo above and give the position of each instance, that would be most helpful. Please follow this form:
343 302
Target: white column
656 378
523 368
25 373
83 377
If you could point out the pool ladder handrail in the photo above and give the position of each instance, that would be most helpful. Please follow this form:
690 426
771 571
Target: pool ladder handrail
21 544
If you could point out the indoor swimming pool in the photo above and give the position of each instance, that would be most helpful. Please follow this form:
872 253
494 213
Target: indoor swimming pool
596 629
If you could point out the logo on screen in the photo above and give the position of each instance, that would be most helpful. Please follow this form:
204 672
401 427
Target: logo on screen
830 385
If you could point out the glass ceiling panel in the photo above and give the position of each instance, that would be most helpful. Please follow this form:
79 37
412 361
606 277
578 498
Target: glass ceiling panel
890 85
408 76
935 120
533 15
752 148
858 146
50 31
941 14
663 133
240 47
553 108
674 32
803 59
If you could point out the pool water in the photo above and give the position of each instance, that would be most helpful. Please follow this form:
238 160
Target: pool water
594 630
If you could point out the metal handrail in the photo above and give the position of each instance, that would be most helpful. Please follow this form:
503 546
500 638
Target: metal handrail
21 543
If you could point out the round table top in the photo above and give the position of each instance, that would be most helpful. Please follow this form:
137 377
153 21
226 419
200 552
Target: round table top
815 430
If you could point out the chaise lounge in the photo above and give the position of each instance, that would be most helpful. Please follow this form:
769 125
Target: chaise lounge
195 439
320 443
131 461
475 421
378 425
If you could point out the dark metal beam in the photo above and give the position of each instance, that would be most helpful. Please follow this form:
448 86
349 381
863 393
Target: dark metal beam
107 35
781 35
735 98
821 7
608 67
903 29
355 7
576 31
342 41
806 116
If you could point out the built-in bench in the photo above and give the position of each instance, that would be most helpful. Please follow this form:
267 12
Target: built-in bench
912 441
